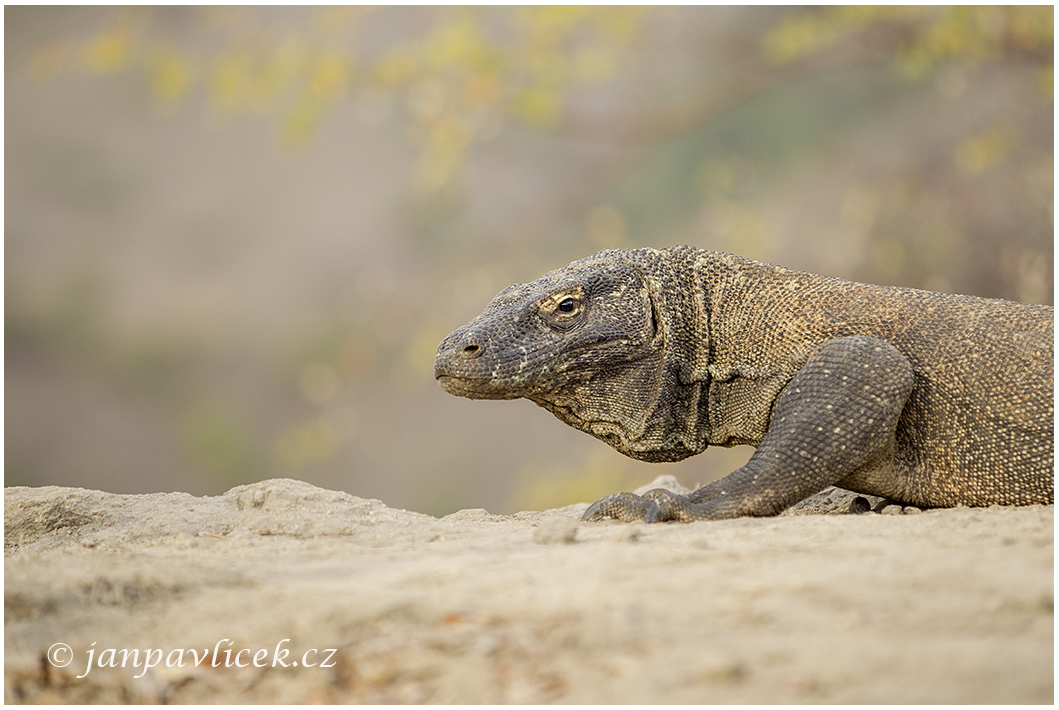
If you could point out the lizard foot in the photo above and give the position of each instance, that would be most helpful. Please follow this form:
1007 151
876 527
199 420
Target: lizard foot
626 507
671 506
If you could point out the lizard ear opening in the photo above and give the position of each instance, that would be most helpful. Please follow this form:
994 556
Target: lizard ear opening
654 315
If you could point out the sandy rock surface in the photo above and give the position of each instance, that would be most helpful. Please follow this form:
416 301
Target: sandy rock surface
367 603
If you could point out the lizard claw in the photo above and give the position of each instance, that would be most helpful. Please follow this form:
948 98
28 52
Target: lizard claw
626 507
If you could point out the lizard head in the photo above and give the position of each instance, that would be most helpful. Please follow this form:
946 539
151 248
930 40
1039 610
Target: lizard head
533 339
605 344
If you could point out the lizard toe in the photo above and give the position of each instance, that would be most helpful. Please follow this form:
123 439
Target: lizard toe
626 507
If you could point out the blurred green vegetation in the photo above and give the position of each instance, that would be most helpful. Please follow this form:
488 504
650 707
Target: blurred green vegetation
235 235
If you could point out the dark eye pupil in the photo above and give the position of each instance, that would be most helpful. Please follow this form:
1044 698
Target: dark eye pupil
566 305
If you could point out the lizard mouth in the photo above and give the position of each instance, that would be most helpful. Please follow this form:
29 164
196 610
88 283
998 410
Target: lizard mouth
475 388
580 362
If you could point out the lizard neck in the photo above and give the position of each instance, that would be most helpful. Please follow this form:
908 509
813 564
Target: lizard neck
760 336
681 294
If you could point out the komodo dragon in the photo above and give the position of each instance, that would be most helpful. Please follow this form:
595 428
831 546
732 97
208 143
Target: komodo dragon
928 399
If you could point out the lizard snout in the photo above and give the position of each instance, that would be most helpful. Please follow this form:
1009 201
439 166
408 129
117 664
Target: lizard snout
459 371
466 345
459 347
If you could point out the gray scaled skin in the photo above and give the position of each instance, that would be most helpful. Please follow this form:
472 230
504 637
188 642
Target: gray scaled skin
928 399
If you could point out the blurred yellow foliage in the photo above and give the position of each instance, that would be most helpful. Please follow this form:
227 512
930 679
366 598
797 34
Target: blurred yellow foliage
1046 82
330 76
289 65
112 49
596 64
171 76
107 52
797 36
471 67
926 35
978 153
229 82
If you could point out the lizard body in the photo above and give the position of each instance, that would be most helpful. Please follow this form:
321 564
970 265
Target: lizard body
930 399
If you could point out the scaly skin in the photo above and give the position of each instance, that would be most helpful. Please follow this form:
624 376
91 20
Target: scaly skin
929 399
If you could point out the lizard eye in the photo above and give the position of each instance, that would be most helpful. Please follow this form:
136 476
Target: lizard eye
563 310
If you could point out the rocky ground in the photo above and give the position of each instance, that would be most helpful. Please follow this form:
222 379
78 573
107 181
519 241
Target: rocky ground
285 592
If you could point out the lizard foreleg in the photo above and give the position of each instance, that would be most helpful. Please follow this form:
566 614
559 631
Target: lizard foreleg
835 417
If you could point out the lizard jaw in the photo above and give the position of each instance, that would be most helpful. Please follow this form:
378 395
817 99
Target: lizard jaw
473 389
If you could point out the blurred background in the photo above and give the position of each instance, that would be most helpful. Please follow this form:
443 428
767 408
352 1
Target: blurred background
235 236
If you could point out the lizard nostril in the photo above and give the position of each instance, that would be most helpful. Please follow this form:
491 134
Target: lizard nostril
472 350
